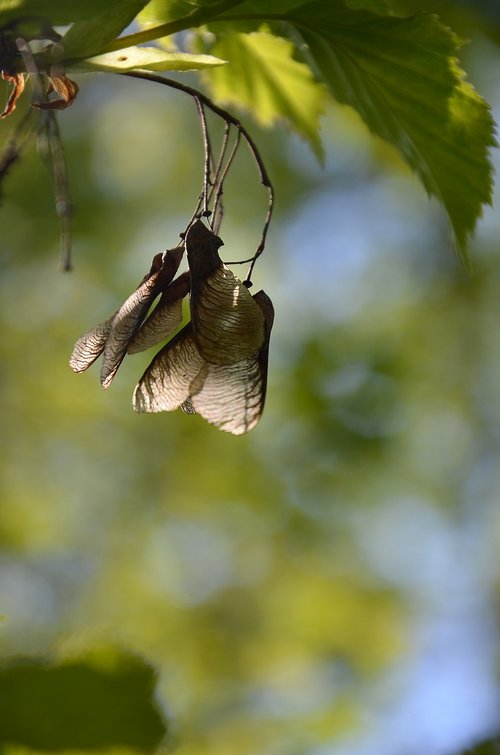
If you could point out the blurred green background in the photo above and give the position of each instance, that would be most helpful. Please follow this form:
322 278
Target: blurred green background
326 585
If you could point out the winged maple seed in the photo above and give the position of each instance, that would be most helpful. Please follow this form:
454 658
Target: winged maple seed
229 396
228 324
121 331
164 318
216 366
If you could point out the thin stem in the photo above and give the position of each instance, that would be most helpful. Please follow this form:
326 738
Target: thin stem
51 150
31 68
220 161
12 150
208 154
229 118
218 207
64 208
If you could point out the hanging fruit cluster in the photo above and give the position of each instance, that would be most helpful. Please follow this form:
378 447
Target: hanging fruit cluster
216 366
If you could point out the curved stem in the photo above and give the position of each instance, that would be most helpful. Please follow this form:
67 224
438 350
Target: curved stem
228 118
208 154
218 206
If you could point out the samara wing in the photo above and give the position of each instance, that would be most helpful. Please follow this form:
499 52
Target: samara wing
232 396
131 314
90 346
166 383
164 318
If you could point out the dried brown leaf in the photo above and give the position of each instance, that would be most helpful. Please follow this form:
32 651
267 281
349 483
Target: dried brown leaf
64 87
17 80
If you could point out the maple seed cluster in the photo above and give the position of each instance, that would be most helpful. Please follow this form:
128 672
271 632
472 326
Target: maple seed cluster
216 366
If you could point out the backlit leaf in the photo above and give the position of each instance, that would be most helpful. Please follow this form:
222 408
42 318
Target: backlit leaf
149 59
263 78
401 75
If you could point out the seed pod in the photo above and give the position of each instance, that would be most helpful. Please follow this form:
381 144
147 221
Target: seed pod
228 325
230 397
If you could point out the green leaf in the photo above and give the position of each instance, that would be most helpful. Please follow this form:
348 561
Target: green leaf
401 75
80 705
89 37
163 11
54 12
377 6
149 59
264 79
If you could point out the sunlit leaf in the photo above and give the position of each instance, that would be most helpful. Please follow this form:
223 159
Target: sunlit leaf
264 78
227 323
148 58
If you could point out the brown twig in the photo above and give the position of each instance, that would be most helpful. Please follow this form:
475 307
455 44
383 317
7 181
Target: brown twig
231 119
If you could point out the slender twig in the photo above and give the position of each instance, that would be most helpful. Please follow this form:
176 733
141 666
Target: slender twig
208 155
229 118
218 204
64 208
217 170
50 148
220 161
31 68
12 149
